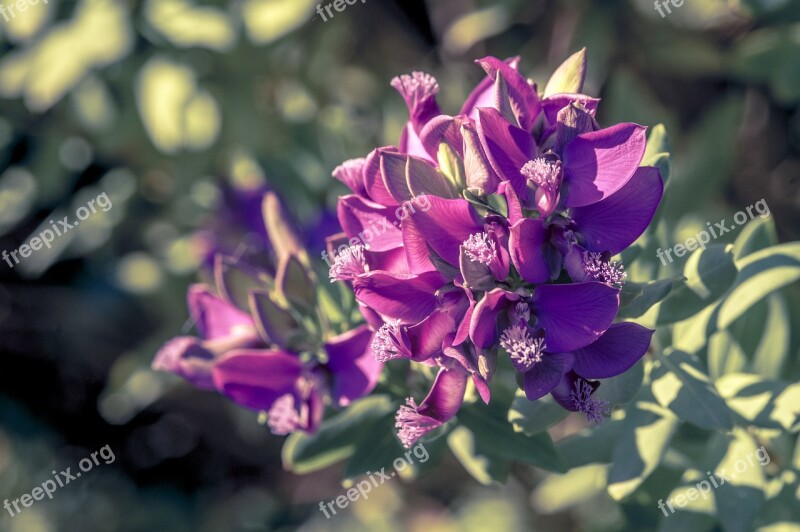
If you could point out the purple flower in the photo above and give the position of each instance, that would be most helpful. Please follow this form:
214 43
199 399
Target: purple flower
527 202
252 349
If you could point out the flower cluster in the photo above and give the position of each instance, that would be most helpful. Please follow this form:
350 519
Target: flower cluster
529 201
262 344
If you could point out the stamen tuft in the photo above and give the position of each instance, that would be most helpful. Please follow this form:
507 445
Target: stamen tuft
611 273
386 344
479 247
348 264
594 410
283 418
523 349
412 425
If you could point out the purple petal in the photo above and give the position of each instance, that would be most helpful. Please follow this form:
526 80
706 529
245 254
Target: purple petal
355 371
185 356
622 345
574 315
483 94
512 200
427 336
599 163
409 298
524 100
526 246
551 105
507 147
443 128
441 404
545 375
445 225
479 172
351 173
393 172
255 378
616 222
483 325
369 222
215 317
373 178
416 248
411 143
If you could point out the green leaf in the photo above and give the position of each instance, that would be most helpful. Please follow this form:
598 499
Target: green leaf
767 404
451 165
591 445
643 439
725 355
235 281
336 437
376 448
637 298
493 432
773 349
755 236
557 493
681 384
622 388
569 75
741 496
760 273
709 273
275 324
658 151
531 417
484 466
294 283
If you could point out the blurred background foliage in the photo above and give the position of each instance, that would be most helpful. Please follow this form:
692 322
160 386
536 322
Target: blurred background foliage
185 112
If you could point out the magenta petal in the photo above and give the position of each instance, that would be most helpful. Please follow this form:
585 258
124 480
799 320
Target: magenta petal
446 395
185 356
483 94
351 173
622 345
369 222
507 147
445 225
616 222
574 315
255 378
524 100
598 163
409 298
526 246
427 336
411 144
443 128
416 248
556 102
373 179
545 375
355 371
483 325
512 200
215 317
